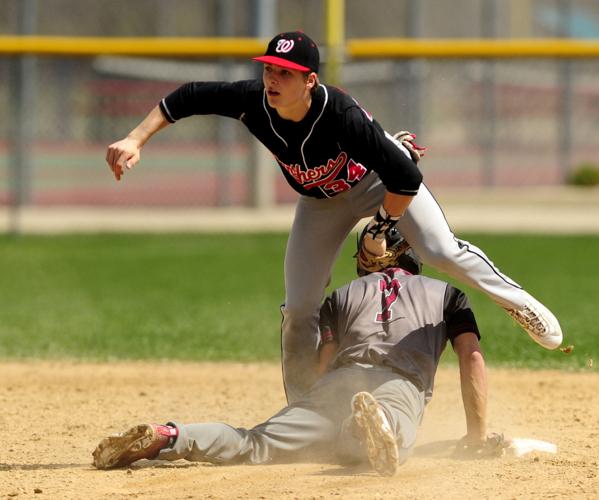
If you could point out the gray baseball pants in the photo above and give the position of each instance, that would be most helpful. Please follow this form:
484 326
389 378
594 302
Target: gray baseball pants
311 427
319 229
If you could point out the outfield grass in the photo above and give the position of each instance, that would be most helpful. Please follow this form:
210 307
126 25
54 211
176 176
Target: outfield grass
217 297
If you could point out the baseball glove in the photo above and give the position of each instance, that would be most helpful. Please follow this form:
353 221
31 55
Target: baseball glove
407 141
367 262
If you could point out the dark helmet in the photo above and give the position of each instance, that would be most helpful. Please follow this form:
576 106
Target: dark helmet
398 254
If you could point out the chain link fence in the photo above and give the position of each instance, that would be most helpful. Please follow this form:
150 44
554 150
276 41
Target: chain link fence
486 123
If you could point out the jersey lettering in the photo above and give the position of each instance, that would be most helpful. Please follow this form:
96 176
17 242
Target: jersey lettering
337 186
318 176
355 171
389 288
326 176
335 166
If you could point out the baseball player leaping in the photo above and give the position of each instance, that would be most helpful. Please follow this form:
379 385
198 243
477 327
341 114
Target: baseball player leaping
382 337
345 167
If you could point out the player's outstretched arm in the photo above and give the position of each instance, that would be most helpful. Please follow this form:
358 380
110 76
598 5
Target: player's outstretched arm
124 154
473 379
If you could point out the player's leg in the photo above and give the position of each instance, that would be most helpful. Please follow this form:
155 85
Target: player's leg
310 426
319 229
292 430
404 405
384 422
426 229
374 431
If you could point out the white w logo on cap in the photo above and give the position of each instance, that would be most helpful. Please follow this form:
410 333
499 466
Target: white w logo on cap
284 45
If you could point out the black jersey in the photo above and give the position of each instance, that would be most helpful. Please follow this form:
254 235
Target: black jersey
328 152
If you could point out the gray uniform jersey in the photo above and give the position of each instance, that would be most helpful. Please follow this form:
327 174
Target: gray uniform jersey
395 319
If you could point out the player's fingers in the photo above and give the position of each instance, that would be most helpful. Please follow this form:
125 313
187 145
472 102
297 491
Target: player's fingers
132 161
376 247
117 171
112 154
123 161
110 159
419 148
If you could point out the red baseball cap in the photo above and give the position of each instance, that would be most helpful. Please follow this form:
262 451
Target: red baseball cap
293 50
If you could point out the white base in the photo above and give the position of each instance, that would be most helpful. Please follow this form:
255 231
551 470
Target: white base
522 446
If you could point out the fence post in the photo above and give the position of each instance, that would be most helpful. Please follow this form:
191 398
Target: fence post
262 167
489 128
564 121
23 90
335 33
410 73
225 134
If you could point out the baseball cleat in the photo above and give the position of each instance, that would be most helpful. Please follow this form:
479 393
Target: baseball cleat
375 434
124 448
539 322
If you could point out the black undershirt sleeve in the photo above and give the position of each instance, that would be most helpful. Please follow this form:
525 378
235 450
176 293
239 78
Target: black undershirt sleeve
365 140
458 314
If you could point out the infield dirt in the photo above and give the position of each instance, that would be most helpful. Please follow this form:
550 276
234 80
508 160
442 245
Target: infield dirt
54 414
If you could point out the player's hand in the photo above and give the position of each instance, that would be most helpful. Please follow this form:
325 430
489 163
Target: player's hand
492 445
121 155
374 240
375 246
407 141
472 441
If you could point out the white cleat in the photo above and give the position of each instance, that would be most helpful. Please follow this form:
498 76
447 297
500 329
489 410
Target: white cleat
375 434
539 322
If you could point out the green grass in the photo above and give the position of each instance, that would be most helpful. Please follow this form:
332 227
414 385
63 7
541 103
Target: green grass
217 297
